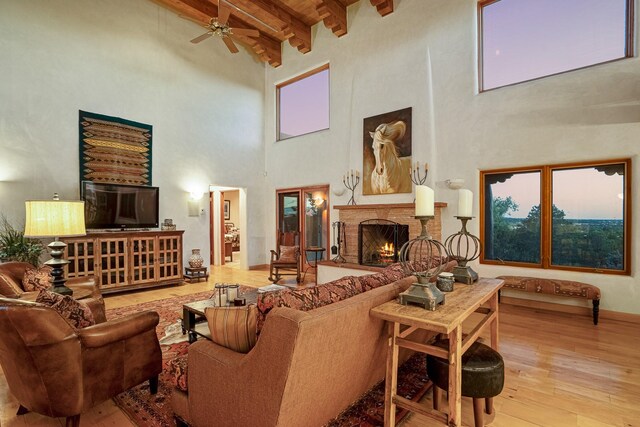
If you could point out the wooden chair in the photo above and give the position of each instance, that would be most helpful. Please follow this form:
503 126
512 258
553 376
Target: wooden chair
287 257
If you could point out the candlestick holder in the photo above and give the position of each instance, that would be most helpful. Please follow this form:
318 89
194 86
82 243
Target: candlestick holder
463 247
423 258
415 174
351 181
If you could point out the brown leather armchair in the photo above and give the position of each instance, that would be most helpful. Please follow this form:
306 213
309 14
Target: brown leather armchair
54 370
84 288
291 264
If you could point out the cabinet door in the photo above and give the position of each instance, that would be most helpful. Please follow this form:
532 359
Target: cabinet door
142 260
169 260
81 256
114 262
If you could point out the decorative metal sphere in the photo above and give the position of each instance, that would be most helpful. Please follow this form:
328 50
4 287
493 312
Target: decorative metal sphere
463 246
423 256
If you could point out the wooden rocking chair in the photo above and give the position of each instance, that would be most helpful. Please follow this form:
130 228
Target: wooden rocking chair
287 257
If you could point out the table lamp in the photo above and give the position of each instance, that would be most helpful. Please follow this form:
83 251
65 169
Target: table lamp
55 218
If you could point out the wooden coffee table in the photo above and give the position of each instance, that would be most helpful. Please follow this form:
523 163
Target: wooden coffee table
193 313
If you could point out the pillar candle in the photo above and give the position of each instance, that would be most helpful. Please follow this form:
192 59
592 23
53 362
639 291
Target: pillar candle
424 201
465 202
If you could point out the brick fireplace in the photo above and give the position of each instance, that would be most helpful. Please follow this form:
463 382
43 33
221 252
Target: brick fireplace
402 213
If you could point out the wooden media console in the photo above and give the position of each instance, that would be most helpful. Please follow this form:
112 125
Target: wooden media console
127 260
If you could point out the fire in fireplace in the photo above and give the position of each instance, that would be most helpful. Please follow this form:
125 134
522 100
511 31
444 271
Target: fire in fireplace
379 241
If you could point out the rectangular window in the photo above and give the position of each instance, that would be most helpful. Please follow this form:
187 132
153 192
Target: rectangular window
572 217
525 40
303 104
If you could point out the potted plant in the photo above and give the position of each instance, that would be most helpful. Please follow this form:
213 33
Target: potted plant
15 247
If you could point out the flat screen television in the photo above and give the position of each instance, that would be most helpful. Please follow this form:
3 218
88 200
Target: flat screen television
119 206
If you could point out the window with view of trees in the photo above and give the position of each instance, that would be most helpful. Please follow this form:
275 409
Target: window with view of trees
524 40
558 216
303 104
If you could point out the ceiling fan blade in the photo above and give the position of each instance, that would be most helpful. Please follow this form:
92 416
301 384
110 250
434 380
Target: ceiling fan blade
223 13
200 38
245 32
230 45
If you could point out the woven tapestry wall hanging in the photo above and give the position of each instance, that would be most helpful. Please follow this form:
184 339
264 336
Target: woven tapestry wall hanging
114 150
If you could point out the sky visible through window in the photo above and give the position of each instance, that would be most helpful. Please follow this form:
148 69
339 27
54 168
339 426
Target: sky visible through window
524 40
304 105
580 193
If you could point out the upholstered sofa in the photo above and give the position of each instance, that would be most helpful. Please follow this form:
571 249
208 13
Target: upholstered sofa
307 366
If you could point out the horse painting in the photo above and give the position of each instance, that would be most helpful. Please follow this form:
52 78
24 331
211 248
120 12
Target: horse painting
387 154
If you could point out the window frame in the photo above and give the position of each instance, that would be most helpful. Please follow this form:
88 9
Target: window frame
294 80
629 46
546 205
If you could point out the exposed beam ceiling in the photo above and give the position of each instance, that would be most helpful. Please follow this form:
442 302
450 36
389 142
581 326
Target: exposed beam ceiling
276 20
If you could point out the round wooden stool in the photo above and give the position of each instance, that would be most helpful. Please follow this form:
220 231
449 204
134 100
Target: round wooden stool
482 376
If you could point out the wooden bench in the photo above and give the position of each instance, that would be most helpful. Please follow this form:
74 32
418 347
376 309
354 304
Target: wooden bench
562 288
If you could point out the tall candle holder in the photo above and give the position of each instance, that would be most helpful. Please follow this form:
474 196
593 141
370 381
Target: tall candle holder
351 180
423 258
463 247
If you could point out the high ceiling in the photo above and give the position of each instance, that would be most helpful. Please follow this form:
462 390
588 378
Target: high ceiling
276 20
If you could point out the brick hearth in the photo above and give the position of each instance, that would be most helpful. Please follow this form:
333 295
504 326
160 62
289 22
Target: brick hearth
402 213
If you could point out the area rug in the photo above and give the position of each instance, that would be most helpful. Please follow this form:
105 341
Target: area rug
145 409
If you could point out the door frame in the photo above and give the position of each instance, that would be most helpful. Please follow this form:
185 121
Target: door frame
301 215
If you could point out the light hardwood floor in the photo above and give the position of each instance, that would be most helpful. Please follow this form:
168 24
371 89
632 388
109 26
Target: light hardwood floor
561 370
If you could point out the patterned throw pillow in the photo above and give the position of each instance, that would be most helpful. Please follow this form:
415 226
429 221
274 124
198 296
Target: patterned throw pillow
77 314
289 253
9 288
233 327
308 298
36 279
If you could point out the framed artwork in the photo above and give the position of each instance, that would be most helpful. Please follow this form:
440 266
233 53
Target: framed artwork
114 150
227 210
386 153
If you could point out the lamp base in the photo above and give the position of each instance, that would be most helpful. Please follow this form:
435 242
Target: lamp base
465 274
57 264
427 296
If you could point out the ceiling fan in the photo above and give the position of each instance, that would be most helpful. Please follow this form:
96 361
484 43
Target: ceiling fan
219 27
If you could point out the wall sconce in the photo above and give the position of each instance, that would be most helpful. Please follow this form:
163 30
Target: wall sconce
318 201
193 204
455 183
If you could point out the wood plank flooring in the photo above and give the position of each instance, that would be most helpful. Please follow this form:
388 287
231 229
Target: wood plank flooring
561 370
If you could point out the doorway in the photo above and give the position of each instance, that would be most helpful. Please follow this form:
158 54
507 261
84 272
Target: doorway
228 227
305 210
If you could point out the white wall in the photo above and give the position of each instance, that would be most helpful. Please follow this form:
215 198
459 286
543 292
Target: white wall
424 56
132 59
234 213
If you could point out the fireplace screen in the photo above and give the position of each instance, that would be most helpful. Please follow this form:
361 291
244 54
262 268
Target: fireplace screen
379 241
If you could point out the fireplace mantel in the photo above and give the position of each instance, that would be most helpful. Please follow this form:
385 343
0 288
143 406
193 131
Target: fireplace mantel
386 206
403 213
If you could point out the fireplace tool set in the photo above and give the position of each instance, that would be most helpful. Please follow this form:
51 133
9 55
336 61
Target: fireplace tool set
339 238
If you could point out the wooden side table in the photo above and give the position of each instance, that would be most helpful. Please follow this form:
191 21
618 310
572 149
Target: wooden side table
317 252
446 319
196 274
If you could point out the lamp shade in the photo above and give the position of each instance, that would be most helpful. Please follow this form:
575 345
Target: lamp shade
54 218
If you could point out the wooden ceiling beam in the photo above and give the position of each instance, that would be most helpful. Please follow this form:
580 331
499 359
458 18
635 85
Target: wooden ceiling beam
268 49
297 32
334 15
384 7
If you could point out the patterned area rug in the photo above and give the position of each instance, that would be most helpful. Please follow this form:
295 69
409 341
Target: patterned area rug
155 411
